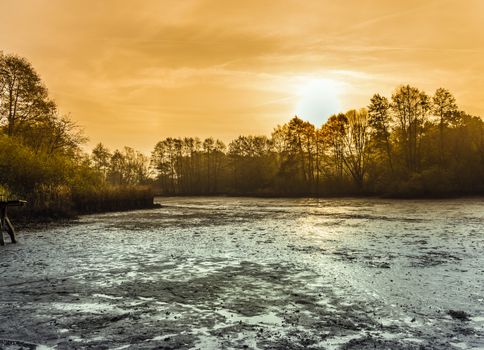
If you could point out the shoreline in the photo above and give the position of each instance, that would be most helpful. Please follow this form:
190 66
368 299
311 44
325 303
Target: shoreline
342 196
28 220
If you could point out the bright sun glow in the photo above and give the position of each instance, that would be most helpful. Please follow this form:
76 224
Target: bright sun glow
318 99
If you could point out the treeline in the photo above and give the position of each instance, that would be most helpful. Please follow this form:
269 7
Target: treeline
41 158
411 144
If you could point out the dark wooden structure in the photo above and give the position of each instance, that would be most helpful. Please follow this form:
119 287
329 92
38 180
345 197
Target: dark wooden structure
5 223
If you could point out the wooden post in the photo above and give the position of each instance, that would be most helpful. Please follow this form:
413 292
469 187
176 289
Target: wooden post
3 214
5 223
10 229
2 241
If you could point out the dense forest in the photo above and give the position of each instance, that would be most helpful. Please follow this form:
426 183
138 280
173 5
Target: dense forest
411 144
41 158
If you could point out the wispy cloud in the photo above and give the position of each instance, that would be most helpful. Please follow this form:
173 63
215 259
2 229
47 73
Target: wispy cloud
224 68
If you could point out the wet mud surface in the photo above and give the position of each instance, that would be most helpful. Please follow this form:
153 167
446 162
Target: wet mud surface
240 273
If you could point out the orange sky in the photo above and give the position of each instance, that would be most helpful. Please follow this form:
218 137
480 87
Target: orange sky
134 72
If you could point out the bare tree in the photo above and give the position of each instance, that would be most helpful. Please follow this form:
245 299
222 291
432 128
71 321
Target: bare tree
101 157
356 145
445 108
23 96
379 120
411 108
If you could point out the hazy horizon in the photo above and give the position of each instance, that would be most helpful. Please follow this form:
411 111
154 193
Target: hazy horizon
134 75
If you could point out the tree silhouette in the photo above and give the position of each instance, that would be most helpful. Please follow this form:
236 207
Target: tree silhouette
445 108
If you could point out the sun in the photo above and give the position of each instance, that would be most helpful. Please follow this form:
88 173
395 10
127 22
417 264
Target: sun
317 100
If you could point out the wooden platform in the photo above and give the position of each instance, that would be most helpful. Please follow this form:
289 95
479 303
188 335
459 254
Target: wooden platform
5 223
13 203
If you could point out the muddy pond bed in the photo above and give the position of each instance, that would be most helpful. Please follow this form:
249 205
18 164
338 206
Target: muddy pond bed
245 273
